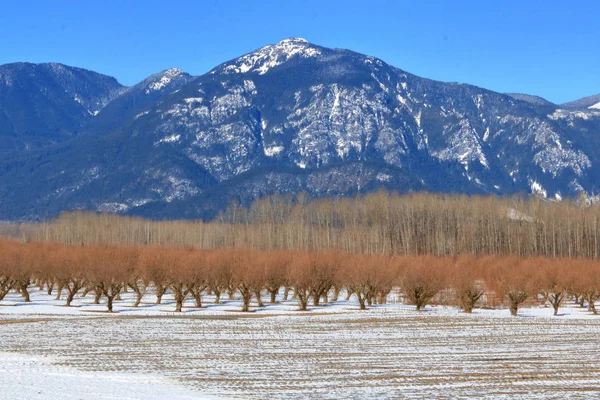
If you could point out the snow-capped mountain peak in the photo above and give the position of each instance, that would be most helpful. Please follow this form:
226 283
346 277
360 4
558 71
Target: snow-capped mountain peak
173 72
163 79
293 40
268 57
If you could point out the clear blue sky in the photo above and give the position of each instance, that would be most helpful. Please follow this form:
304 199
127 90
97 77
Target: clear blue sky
549 48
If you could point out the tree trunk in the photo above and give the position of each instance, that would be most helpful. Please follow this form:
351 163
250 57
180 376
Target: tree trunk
361 301
302 296
25 294
303 304
246 296
467 306
286 293
259 299
555 299
160 291
316 299
138 293
58 292
70 297
197 295
180 295
109 303
138 298
336 293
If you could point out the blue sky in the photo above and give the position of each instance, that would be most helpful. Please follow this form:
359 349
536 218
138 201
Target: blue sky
549 48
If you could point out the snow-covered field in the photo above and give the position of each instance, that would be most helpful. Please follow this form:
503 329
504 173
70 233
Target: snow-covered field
333 351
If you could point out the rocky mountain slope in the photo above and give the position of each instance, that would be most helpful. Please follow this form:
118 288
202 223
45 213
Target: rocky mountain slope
294 117
42 104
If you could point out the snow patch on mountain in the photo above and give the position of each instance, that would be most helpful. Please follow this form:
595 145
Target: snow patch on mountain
571 115
595 106
113 207
536 188
170 184
193 100
555 159
463 144
383 177
552 155
141 114
168 139
271 56
165 80
273 151
558 196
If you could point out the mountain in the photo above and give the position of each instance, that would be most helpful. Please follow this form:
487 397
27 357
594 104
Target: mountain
134 100
537 100
591 102
42 104
297 117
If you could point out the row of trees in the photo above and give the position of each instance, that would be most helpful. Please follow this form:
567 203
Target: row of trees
379 223
309 277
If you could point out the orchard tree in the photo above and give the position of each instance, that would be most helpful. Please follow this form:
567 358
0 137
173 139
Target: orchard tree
218 273
301 279
111 272
467 280
512 280
422 278
195 267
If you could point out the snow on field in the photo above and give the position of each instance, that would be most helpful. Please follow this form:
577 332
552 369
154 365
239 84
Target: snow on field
44 305
333 351
30 377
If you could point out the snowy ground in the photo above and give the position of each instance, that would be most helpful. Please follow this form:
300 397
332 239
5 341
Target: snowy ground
334 351
33 377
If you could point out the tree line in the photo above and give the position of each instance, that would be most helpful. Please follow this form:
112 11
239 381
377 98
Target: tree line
310 278
378 223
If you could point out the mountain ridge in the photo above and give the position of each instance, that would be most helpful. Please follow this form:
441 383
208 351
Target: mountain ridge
46 103
293 117
589 102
